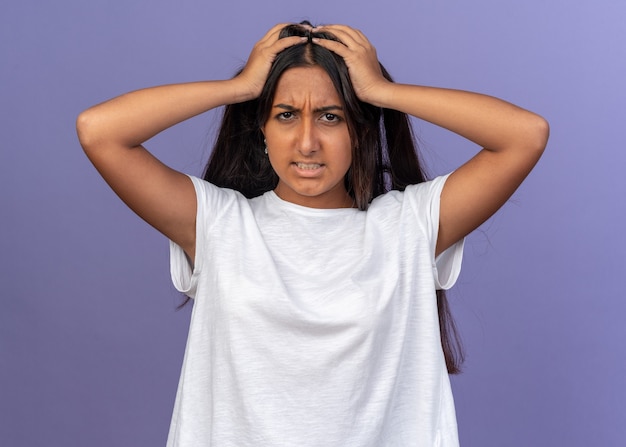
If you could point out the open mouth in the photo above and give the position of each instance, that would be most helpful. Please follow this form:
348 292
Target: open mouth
308 166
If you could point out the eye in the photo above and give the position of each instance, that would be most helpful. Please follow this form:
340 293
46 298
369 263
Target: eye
330 117
284 116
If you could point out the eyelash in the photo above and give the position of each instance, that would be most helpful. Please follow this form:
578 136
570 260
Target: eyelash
284 116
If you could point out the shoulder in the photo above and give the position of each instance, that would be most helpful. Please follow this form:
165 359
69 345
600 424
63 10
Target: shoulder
428 188
208 192
413 194
216 204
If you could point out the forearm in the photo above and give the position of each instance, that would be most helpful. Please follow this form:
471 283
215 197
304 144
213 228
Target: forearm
135 117
491 123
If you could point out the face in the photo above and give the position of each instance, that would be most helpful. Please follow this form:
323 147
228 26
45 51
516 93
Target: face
308 141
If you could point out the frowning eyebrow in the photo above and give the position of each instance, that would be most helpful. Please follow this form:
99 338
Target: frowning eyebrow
289 108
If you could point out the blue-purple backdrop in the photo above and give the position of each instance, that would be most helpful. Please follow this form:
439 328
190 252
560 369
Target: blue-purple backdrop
90 341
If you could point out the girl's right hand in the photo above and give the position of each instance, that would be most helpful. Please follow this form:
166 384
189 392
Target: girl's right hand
253 76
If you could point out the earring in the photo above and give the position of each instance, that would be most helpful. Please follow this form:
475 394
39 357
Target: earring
265 143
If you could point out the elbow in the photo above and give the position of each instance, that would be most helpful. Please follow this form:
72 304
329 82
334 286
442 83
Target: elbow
532 137
85 130
540 131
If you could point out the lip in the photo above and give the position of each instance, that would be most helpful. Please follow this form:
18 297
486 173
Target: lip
308 169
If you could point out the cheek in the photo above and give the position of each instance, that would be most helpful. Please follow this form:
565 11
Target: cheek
347 157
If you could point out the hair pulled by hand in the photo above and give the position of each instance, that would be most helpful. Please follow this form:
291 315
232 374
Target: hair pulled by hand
306 29
360 57
254 74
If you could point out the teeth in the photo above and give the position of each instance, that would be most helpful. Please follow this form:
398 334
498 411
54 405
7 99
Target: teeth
308 165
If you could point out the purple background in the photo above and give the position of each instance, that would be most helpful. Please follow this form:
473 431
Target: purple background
90 341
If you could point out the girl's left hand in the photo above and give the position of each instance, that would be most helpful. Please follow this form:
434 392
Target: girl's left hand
360 58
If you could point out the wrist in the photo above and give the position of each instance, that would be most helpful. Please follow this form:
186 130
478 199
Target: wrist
242 90
381 95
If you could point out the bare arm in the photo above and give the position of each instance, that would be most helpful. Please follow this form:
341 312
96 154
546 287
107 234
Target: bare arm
112 134
512 138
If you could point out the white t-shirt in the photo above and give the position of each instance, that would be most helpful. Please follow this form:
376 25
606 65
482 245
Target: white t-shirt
314 327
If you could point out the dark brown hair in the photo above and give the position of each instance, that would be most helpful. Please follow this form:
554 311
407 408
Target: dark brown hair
384 152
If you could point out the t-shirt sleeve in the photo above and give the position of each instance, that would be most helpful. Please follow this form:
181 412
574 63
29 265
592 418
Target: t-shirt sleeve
446 266
211 200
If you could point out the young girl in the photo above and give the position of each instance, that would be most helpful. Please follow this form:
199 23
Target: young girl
314 248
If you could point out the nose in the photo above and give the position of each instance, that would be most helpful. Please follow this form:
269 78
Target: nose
308 142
